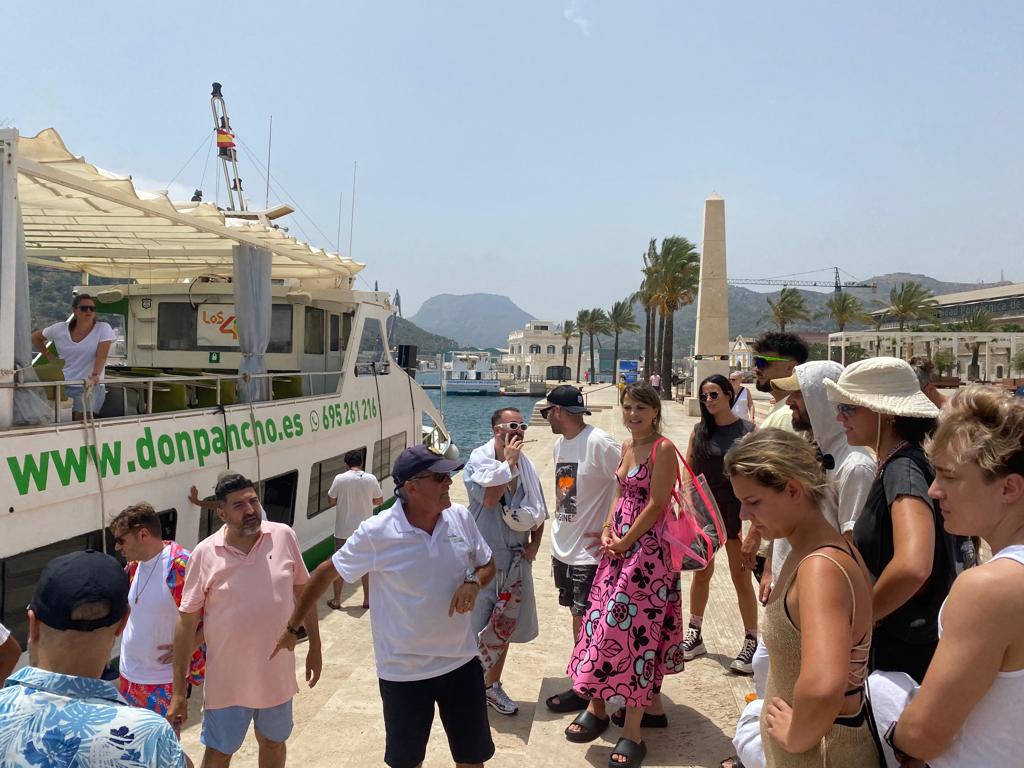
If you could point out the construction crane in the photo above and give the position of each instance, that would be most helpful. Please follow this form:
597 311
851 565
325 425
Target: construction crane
838 283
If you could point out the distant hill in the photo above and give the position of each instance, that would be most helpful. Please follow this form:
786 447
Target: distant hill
474 319
428 343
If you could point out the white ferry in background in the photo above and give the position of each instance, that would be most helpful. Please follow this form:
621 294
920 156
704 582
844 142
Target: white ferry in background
199 294
469 373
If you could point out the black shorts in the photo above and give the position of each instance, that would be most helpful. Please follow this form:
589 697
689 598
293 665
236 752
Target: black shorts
730 506
574 583
409 713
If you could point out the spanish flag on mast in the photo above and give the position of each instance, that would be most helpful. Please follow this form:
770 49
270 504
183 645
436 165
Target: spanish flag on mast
225 139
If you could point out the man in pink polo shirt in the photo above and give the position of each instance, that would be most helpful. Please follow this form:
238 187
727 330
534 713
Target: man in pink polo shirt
245 579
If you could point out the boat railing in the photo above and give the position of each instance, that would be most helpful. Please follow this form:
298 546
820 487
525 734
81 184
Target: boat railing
220 387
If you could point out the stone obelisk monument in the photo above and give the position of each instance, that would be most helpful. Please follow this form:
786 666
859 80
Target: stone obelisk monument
711 347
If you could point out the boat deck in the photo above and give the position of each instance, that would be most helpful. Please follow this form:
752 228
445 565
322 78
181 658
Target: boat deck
339 723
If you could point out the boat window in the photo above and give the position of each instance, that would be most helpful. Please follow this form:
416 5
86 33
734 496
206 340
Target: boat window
371 357
314 331
176 329
321 475
385 452
335 333
20 573
278 497
280 329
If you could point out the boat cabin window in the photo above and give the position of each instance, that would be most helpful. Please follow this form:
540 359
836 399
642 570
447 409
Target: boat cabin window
335 333
278 496
321 475
385 452
371 357
314 331
177 327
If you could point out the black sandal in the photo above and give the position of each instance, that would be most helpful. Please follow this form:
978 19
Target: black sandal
590 727
629 749
567 701
731 762
648 720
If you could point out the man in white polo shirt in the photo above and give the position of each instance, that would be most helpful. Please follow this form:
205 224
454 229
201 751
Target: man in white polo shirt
354 493
428 562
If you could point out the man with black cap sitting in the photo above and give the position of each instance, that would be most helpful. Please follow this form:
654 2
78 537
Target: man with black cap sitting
585 462
58 711
428 561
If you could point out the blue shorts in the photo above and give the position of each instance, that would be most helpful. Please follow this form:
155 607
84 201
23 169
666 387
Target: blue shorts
224 729
77 394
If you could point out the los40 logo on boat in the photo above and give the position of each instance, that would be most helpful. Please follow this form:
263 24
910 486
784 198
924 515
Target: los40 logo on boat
334 415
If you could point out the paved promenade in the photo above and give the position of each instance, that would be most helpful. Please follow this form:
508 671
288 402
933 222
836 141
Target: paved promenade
339 723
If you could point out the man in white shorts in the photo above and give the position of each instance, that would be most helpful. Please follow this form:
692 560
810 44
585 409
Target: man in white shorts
354 493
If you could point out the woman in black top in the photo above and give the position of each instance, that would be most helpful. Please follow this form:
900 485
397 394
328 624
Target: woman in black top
719 429
900 532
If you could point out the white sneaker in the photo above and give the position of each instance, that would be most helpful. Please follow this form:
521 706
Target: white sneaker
693 645
499 701
743 663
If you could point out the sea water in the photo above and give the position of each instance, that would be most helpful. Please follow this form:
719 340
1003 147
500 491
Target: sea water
468 417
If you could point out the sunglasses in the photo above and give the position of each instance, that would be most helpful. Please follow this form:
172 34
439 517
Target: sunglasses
119 540
704 397
438 477
545 411
846 410
763 361
86 308
515 426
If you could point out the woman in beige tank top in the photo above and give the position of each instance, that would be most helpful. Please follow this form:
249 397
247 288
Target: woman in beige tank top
817 625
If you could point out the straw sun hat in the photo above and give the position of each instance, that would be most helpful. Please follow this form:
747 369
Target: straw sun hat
884 385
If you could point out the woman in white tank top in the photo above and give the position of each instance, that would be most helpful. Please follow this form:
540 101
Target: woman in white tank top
968 710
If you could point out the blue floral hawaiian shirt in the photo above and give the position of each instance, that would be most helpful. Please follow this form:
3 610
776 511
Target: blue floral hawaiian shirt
48 720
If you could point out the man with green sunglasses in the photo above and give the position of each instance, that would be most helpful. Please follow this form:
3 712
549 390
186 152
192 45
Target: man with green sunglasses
776 355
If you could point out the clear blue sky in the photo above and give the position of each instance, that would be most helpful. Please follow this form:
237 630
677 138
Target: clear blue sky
533 147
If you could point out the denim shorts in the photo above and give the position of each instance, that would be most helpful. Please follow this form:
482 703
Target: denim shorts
224 729
573 583
77 394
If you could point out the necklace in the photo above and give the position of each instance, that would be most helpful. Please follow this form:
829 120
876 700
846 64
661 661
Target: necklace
895 449
152 570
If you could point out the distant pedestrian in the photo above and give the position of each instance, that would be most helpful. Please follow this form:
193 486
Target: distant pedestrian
10 652
743 403
354 493
429 563
156 570
58 711
507 503
656 380
585 462
243 581
777 354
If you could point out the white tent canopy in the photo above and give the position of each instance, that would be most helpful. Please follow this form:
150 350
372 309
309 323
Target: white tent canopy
85 219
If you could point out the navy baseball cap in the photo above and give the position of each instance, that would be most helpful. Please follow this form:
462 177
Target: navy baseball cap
76 579
568 397
418 459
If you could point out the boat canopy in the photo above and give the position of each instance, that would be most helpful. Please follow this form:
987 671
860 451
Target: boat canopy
82 218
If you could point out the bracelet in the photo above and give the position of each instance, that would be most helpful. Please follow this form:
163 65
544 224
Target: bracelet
607 525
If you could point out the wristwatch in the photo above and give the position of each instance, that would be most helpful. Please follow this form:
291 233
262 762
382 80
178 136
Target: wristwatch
293 630
890 737
471 577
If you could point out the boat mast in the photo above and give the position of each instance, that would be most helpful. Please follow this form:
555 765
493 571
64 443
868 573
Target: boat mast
226 149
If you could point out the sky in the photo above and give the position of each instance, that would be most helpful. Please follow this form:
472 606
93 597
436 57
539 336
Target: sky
533 148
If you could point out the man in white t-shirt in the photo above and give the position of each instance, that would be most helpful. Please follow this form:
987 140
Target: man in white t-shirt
156 570
354 493
10 652
429 562
585 462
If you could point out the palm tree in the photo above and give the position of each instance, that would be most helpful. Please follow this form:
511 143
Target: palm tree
675 286
568 331
620 320
597 324
646 297
911 301
844 308
582 319
978 321
789 308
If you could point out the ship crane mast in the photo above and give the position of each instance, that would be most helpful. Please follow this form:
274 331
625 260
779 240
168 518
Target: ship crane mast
837 284
226 150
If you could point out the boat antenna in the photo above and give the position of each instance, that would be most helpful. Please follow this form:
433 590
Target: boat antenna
226 149
352 215
337 238
270 140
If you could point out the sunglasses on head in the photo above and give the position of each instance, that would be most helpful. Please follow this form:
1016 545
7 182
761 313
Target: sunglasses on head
763 361
438 477
846 410
85 308
515 426
705 396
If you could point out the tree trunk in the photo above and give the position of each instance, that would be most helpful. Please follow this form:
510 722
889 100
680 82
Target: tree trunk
593 380
666 356
565 358
659 341
974 370
615 360
579 358
648 341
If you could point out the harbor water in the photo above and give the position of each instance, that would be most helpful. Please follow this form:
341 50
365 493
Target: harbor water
468 417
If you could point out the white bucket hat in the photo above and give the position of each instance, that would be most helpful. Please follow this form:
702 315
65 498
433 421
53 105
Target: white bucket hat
884 385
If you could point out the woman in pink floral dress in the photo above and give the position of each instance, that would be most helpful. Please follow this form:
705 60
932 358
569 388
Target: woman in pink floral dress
633 634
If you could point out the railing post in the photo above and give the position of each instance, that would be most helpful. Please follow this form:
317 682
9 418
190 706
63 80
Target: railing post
149 397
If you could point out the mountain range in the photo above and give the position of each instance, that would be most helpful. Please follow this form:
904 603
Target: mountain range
473 319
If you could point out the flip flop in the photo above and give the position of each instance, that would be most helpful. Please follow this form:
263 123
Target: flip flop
334 605
629 749
566 701
731 762
648 720
591 726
